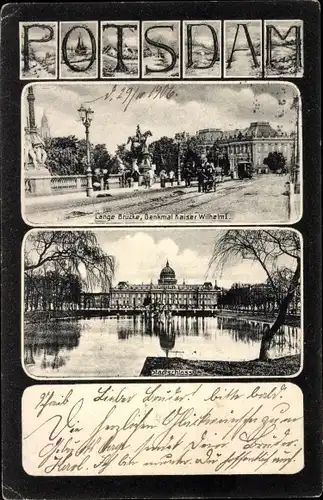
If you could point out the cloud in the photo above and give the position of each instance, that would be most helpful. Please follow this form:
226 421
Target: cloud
254 28
190 108
140 258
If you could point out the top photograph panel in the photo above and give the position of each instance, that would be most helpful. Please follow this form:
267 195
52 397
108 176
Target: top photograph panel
158 153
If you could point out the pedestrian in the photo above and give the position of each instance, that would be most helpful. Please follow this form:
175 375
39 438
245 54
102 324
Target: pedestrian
188 176
135 177
128 178
171 176
96 180
146 178
201 179
106 176
122 178
210 173
151 177
218 174
162 177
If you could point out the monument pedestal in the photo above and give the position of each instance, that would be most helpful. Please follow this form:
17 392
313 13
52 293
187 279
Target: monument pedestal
37 181
145 165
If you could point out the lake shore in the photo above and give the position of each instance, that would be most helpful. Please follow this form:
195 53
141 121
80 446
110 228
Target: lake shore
41 316
163 367
270 318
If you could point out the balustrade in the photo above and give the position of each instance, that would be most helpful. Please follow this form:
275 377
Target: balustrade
66 183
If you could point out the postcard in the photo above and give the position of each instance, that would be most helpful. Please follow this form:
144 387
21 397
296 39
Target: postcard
202 302
167 153
160 168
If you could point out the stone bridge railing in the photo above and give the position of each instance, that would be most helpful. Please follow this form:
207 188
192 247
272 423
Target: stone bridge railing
68 183
63 184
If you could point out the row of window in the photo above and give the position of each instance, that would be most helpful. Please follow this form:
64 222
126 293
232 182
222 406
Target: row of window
120 302
276 147
244 148
161 296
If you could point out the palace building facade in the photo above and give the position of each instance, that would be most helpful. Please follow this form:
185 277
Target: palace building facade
251 144
167 292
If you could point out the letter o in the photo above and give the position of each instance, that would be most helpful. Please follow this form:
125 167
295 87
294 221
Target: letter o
64 49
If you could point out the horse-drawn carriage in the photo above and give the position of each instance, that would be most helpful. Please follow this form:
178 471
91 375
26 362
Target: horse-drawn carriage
245 170
210 183
213 176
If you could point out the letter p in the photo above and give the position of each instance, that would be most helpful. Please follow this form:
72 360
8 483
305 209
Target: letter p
34 33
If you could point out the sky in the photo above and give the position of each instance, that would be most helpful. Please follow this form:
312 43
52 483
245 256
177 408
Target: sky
161 33
230 28
202 34
35 33
73 37
141 254
130 36
283 25
192 106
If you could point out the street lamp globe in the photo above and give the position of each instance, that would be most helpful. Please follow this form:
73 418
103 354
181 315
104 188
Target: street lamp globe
82 112
90 113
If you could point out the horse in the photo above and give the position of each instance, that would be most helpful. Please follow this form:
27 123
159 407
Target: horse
138 142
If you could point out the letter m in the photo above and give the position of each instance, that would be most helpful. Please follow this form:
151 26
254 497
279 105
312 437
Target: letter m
297 42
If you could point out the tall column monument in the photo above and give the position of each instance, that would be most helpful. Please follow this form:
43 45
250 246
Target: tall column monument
36 174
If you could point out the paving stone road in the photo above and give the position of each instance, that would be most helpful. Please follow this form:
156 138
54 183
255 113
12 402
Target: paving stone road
262 199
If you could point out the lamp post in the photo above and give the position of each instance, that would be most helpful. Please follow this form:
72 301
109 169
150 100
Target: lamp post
297 155
179 139
86 118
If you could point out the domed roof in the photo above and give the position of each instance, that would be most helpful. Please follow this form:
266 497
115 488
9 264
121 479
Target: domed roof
167 271
167 275
260 129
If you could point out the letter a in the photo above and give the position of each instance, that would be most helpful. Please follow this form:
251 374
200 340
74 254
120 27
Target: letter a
248 62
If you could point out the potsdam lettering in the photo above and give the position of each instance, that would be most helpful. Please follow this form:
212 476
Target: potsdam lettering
115 49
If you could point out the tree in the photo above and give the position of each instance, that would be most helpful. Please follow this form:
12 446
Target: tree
216 156
75 252
165 154
267 247
51 290
100 157
65 155
124 154
275 161
192 155
214 153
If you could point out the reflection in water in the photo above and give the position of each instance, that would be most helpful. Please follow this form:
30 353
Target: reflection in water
50 341
118 346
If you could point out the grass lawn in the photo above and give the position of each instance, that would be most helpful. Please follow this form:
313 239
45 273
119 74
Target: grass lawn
288 365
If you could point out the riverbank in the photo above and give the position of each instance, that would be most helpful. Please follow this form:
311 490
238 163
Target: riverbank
43 316
163 367
270 318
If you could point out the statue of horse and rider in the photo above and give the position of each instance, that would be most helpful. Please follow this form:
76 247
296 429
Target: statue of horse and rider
139 148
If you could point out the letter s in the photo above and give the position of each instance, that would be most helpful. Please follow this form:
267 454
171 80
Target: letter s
163 46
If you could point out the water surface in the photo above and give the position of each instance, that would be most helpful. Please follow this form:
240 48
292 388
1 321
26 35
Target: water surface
118 347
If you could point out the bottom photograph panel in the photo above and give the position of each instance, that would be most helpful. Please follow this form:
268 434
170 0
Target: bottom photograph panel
144 429
162 303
